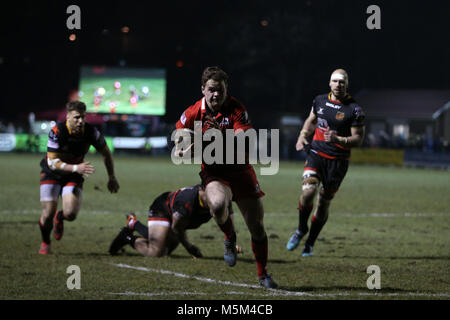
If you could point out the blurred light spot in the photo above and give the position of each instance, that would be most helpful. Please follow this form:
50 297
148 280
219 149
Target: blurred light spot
125 29
101 91
264 23
180 64
72 37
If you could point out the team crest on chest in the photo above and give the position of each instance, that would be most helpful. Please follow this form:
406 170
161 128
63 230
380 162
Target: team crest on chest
225 122
340 115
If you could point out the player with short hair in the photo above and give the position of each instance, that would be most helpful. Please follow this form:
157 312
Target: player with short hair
170 215
63 170
338 123
223 181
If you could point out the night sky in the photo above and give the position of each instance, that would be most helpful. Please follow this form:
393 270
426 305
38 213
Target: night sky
278 54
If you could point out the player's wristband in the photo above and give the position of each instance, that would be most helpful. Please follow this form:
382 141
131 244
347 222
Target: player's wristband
75 168
62 166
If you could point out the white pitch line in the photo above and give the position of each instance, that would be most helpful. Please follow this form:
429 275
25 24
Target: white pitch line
157 294
270 293
269 214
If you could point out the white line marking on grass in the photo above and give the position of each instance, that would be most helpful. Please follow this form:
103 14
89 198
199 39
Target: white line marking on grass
269 292
273 294
373 215
270 214
156 294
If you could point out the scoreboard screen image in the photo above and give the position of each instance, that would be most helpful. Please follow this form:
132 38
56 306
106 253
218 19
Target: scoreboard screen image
116 90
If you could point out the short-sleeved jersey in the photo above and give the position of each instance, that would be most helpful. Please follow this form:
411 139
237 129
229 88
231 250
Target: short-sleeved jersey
186 202
71 148
338 116
233 115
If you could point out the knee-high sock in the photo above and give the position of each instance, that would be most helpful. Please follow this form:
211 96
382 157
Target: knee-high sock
303 215
141 229
60 215
260 250
228 229
316 226
46 229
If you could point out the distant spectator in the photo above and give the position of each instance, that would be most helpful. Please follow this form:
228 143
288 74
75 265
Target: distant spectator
10 128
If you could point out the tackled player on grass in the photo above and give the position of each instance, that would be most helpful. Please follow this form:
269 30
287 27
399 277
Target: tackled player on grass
170 215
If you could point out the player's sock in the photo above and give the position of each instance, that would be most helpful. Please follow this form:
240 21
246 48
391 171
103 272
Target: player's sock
141 229
60 215
46 230
303 215
228 229
316 227
260 250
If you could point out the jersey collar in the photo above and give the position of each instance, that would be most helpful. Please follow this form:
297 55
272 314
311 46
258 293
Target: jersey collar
346 98
204 109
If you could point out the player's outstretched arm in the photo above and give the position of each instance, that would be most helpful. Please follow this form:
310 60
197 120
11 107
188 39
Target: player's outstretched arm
113 185
179 228
308 128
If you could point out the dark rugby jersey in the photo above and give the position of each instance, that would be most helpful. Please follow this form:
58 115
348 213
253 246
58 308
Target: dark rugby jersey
232 116
186 202
72 149
337 116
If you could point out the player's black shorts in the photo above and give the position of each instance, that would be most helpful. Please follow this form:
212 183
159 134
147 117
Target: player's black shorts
63 180
158 209
330 172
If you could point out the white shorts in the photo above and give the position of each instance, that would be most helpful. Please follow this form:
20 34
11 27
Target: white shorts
158 222
51 192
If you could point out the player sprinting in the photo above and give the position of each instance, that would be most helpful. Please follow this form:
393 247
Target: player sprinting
338 124
170 215
63 171
225 182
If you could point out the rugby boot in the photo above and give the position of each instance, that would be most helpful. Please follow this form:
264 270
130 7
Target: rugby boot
230 253
307 251
122 239
58 226
294 240
44 248
267 282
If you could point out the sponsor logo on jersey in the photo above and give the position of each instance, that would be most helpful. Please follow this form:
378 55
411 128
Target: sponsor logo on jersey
332 105
340 115
225 122
320 111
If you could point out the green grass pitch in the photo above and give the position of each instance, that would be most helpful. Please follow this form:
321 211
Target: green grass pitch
395 218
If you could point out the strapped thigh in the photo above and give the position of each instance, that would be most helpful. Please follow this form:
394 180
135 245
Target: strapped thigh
310 179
